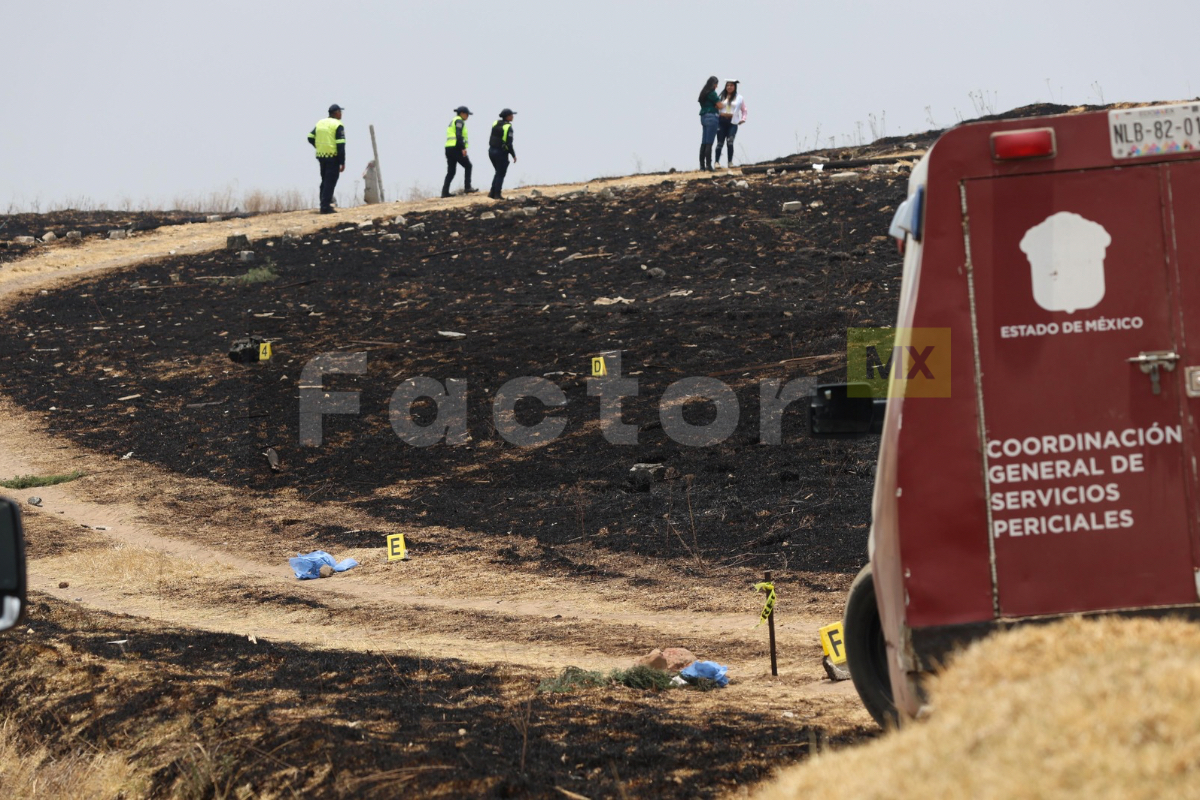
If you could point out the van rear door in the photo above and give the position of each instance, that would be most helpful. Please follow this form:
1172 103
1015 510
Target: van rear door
1077 310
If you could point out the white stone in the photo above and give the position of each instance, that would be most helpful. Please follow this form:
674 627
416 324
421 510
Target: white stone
844 177
401 221
213 218
390 237
742 184
362 226
487 215
792 205
246 255
48 237
529 211
24 240
74 236
118 234
418 228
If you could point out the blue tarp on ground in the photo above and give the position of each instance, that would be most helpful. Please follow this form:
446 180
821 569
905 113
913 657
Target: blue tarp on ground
308 565
706 669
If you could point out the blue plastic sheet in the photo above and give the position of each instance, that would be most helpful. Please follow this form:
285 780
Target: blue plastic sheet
308 565
706 669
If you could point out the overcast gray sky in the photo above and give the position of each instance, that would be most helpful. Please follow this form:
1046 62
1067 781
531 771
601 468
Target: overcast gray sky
147 103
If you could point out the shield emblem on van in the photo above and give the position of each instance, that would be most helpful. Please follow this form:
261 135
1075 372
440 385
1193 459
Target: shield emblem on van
1066 260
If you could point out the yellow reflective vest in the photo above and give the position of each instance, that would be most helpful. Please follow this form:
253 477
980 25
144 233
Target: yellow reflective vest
452 134
326 138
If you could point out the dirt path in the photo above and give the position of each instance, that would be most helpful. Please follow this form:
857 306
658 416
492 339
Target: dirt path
137 553
58 262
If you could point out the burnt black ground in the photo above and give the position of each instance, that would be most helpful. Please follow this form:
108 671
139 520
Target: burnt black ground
330 723
764 287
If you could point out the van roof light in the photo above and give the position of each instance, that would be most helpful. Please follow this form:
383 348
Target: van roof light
1030 143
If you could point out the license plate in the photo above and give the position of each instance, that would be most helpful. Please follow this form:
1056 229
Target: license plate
1153 131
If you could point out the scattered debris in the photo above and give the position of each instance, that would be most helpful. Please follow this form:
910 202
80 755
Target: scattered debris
612 301
35 501
272 459
238 241
452 334
641 476
64 585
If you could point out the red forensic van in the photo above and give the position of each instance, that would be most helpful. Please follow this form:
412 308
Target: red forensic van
1056 472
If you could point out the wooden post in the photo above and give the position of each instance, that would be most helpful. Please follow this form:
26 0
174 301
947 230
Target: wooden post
378 173
771 628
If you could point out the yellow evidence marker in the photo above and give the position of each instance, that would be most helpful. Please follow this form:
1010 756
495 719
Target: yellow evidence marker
599 368
396 549
264 351
833 642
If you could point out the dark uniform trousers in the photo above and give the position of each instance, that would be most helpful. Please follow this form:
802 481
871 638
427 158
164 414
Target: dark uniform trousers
330 170
454 157
499 159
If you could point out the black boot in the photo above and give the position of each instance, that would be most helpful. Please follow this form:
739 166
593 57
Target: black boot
446 187
708 148
703 150
729 161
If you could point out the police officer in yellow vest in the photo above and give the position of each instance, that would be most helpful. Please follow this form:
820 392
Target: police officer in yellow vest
500 147
456 151
329 139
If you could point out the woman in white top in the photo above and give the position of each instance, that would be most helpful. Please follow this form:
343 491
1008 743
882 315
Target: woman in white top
731 112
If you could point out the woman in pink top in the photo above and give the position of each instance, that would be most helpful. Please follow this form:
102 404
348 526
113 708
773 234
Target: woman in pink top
731 112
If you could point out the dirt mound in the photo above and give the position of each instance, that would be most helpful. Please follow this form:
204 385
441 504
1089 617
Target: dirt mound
1098 709
135 361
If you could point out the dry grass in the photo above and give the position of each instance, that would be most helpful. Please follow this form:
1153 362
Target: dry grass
32 770
1096 709
221 201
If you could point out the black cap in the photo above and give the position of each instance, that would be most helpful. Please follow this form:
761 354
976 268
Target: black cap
335 107
508 112
462 110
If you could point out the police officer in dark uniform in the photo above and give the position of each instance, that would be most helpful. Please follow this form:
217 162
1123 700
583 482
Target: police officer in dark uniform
456 150
500 147
329 140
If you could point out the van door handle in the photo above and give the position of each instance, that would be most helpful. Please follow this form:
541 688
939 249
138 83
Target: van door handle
1149 362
